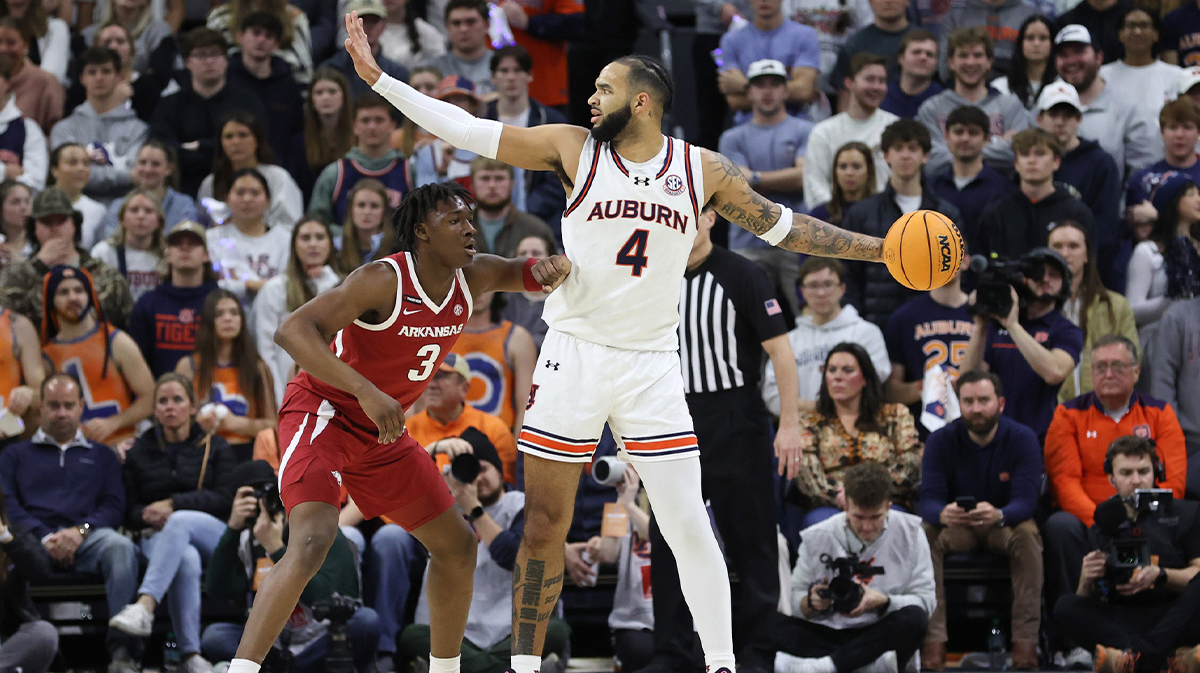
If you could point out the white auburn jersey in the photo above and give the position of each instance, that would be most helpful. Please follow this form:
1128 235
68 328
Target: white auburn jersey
628 230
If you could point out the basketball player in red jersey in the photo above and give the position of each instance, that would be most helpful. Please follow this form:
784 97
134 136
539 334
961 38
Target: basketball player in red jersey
612 343
391 323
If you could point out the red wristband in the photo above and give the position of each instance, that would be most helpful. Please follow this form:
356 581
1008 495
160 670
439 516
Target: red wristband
531 283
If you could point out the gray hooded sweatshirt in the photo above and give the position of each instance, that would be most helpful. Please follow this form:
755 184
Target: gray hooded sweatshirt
1003 109
118 131
1174 356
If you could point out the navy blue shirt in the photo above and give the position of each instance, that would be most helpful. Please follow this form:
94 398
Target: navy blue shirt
903 105
923 334
1143 183
990 185
47 489
1007 473
1030 400
164 323
1181 33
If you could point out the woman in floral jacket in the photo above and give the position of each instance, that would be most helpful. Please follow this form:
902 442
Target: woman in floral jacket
852 424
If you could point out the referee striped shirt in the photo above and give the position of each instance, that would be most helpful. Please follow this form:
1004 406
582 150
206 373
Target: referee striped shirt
727 308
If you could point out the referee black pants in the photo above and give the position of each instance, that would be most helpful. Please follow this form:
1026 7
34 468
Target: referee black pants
736 453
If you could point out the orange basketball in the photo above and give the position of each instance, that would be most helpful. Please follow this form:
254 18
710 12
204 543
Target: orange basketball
923 250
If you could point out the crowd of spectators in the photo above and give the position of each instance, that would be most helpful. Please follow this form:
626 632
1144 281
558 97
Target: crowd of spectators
176 180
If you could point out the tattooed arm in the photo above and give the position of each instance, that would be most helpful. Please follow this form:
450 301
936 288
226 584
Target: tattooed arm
734 199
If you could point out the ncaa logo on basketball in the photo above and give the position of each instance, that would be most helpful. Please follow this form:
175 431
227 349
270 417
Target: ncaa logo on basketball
673 185
944 247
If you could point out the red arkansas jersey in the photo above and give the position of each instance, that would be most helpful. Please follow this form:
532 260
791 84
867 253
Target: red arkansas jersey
398 355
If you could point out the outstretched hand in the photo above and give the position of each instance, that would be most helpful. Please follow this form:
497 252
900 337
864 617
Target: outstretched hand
360 50
551 272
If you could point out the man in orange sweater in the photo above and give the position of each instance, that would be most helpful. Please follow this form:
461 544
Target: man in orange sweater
1077 442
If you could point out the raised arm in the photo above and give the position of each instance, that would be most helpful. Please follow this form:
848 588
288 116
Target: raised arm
491 273
550 147
727 191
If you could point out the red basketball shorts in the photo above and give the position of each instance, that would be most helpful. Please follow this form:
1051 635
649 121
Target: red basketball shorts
322 451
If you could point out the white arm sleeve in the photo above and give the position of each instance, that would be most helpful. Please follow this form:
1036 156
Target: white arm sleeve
448 122
782 228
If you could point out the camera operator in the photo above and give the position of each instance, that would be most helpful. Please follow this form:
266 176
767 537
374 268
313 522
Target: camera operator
831 635
980 478
253 542
1151 612
1032 347
498 517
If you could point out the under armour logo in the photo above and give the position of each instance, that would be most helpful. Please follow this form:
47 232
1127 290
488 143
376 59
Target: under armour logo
1091 434
641 181
551 365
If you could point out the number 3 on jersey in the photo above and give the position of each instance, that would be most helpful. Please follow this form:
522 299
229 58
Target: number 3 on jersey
430 353
633 253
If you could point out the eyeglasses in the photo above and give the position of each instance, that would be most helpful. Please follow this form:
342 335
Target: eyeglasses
823 285
1117 368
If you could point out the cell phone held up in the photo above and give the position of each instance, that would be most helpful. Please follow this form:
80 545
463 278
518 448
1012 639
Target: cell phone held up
966 502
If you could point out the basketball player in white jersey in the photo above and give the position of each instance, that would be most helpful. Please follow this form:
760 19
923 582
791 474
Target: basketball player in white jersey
611 352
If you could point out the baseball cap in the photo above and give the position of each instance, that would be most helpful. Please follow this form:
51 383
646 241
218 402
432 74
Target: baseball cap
1188 78
456 85
1073 33
187 227
367 8
54 201
458 364
1058 93
1169 186
766 67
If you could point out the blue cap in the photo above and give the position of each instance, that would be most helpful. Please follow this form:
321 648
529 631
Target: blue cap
1169 187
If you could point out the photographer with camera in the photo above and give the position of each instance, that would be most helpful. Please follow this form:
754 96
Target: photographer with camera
253 542
498 517
980 478
1021 333
863 586
1138 599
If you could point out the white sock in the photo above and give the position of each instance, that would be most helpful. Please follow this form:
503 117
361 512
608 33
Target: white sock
243 666
715 662
524 663
447 665
674 490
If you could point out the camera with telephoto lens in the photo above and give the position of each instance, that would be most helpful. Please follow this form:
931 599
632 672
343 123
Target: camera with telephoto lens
608 471
1125 548
465 467
267 493
845 592
996 276
338 609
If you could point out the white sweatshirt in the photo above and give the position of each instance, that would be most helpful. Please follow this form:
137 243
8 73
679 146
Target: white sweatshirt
270 310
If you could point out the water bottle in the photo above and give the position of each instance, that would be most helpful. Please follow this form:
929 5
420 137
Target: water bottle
170 654
997 659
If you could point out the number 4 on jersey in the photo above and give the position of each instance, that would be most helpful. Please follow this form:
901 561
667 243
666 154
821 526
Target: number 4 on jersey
633 253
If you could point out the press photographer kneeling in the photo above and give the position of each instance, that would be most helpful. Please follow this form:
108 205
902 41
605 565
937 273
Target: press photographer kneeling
862 587
1138 600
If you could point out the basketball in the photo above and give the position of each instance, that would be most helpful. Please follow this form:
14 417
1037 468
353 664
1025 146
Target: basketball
923 250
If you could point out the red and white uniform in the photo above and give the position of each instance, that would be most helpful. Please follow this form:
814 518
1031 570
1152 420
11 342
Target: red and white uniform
329 441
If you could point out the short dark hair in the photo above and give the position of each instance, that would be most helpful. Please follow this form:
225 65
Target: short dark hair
814 264
370 99
265 20
970 36
1178 112
906 131
524 60
647 74
475 5
1131 446
971 116
99 56
416 207
863 59
868 484
977 375
61 375
1110 339
915 35
198 38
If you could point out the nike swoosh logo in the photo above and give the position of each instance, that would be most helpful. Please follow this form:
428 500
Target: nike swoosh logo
408 312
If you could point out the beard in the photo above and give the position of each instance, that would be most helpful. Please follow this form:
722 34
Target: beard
71 316
981 424
611 126
493 206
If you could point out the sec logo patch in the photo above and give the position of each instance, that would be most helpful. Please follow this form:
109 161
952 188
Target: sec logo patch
673 185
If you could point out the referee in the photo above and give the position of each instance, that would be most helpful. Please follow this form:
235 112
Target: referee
728 315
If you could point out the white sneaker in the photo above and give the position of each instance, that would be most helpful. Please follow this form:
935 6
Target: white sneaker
787 663
123 665
1079 658
195 664
134 620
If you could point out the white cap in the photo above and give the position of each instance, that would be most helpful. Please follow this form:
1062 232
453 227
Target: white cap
1058 93
1188 78
1073 33
767 66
